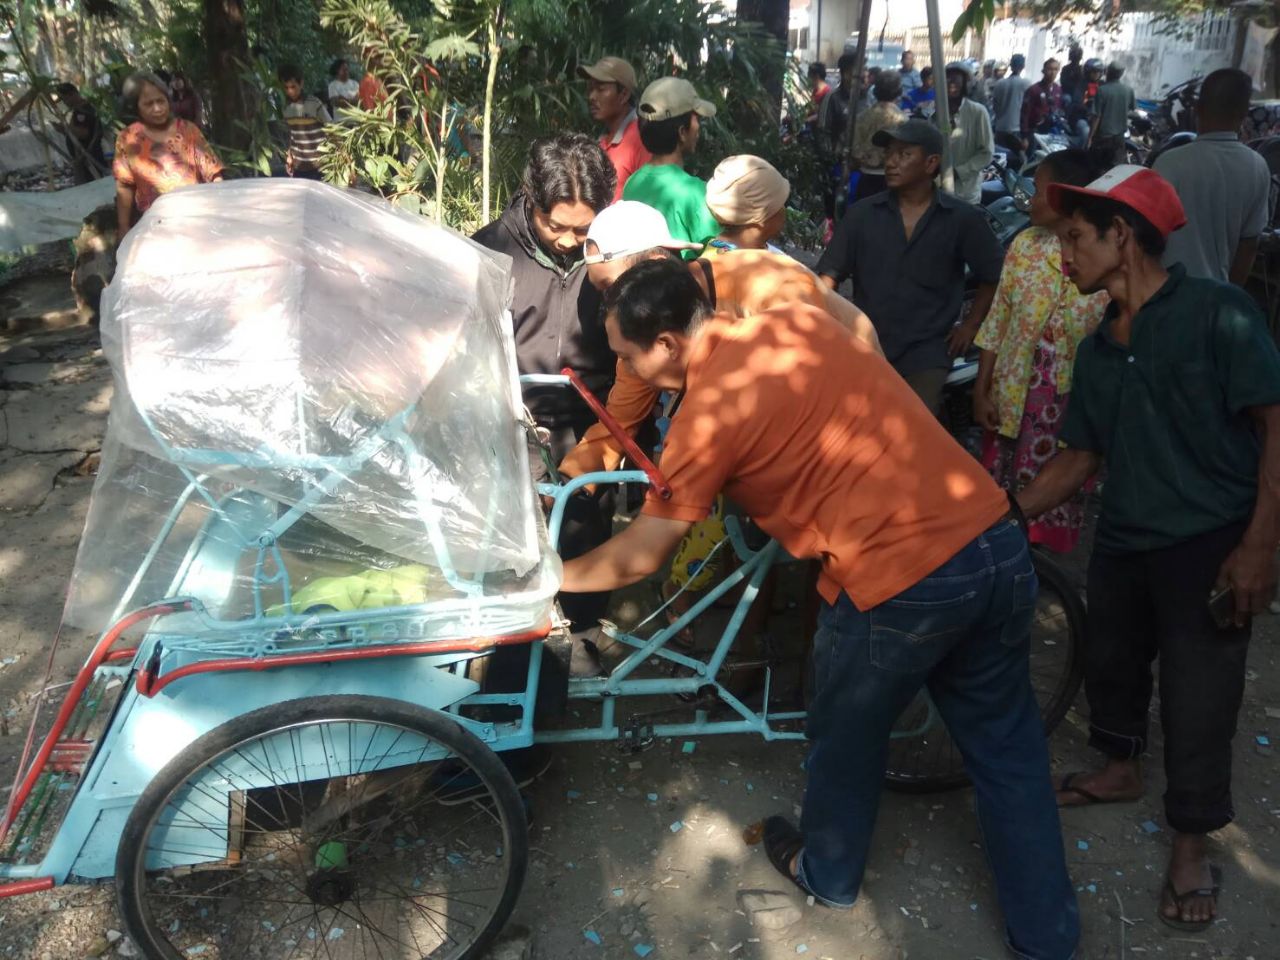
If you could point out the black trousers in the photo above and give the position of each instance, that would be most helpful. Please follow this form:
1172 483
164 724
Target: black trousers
1155 604
1111 150
588 522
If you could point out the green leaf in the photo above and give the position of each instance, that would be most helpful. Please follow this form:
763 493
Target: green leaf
452 47
410 202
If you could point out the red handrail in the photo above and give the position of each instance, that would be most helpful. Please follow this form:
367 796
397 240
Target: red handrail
20 887
614 427
78 686
149 684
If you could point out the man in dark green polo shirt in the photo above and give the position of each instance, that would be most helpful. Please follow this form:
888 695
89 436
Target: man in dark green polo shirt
1179 393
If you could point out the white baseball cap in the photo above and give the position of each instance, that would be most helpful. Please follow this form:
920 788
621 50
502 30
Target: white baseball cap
629 227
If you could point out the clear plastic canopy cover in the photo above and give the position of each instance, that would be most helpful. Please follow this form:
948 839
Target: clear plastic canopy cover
323 381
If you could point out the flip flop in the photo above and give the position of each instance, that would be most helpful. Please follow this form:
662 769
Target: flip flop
1066 785
782 842
1189 926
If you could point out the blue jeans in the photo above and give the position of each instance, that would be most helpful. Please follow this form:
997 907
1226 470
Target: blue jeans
964 632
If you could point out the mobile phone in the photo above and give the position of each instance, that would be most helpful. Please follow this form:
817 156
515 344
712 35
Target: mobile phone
1222 607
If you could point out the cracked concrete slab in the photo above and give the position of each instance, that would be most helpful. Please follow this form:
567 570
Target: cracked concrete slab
58 417
26 479
32 374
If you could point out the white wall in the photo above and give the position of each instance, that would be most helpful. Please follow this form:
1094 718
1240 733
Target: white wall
840 20
1154 60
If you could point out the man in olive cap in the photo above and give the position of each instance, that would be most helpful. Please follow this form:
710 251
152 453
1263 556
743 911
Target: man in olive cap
670 120
611 95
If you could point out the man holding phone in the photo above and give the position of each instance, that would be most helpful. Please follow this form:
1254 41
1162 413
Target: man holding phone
1178 392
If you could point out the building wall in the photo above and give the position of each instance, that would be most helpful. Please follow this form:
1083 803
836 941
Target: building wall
899 20
1154 59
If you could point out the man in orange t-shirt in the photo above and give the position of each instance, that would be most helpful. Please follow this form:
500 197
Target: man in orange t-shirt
740 282
926 580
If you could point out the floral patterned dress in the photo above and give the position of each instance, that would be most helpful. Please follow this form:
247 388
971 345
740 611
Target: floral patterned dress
152 168
1035 325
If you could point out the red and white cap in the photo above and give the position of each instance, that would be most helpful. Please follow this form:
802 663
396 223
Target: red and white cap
629 227
1138 188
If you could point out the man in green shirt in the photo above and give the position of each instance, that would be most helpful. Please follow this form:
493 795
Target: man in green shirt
1178 393
669 124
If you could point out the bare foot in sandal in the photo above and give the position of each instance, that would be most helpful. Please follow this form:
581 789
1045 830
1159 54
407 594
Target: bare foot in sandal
1189 900
1120 781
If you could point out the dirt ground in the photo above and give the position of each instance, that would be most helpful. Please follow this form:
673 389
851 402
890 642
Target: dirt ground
646 850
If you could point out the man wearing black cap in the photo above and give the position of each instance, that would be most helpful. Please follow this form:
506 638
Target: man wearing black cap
1179 393
906 251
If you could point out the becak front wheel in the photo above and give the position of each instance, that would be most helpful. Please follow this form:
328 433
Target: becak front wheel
338 826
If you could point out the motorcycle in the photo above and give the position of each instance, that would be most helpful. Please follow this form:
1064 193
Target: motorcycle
1138 143
1006 198
1050 138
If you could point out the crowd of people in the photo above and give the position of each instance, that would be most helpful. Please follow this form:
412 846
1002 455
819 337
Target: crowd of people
1111 342
996 107
1114 337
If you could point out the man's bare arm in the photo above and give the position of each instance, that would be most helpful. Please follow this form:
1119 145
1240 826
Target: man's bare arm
1058 482
1242 262
1250 570
857 322
632 555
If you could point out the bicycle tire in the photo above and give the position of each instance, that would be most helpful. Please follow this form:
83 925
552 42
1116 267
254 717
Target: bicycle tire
931 762
152 938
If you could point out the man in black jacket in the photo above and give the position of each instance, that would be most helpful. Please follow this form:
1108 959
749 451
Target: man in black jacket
556 315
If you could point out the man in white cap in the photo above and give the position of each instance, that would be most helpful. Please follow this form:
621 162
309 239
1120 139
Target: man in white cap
670 117
748 198
740 282
611 95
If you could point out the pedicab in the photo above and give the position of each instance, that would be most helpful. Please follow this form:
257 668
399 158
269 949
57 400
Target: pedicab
313 519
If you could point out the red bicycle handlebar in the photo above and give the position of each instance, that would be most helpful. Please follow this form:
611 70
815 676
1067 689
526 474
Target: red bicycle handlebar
629 446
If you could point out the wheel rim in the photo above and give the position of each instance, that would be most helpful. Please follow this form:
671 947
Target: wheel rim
931 757
397 848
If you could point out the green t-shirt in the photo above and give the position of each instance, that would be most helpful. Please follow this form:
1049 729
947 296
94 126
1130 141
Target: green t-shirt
1169 413
680 196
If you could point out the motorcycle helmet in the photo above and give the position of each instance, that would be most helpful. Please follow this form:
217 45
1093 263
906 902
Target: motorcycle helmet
1094 64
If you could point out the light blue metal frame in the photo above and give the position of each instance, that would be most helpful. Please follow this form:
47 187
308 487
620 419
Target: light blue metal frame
145 732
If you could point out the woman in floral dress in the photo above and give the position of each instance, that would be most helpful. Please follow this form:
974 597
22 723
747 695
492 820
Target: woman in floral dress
1028 344
158 153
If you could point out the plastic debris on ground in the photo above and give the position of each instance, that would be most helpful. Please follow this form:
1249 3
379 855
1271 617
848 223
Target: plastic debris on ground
643 949
1150 826
677 827
689 747
651 797
618 891
1082 844
1263 740
592 936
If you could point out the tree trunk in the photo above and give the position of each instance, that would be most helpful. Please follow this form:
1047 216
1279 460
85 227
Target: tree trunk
494 51
775 17
228 45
